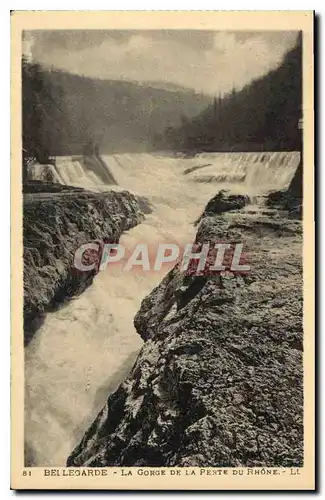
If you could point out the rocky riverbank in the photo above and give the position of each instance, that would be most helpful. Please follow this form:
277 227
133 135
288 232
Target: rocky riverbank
56 221
218 381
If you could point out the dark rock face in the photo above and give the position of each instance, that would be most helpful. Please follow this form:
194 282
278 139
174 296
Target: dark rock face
96 164
55 225
291 198
295 188
218 381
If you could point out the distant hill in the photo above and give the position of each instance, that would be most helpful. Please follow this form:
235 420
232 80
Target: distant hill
263 115
174 87
117 115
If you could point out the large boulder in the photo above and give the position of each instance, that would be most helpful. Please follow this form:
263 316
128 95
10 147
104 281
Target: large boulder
224 201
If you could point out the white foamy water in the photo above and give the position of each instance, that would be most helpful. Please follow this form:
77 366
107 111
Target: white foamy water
72 171
85 350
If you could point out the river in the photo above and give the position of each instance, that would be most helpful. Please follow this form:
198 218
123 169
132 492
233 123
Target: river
84 350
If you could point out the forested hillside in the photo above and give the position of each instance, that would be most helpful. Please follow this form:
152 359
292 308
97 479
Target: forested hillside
62 112
264 115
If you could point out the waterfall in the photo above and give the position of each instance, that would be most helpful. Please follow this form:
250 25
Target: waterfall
240 171
252 171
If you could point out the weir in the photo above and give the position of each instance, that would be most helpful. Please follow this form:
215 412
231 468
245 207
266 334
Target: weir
254 172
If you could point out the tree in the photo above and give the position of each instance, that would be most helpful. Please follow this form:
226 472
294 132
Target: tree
39 110
261 116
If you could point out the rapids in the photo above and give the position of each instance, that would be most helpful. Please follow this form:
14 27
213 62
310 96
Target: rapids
84 350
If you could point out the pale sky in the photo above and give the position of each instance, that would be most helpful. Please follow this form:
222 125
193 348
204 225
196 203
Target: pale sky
207 61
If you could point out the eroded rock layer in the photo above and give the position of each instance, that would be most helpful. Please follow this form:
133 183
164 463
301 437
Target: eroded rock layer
56 223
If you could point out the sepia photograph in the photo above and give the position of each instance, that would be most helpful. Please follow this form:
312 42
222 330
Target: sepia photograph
162 178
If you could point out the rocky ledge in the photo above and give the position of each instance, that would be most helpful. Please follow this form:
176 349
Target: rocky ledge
56 221
218 381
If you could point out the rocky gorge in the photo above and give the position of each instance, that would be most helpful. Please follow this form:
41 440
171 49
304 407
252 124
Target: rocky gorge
219 380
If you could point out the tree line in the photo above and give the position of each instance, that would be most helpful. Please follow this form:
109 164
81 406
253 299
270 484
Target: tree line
264 115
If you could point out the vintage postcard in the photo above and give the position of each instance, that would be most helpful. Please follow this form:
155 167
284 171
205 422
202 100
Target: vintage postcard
162 250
